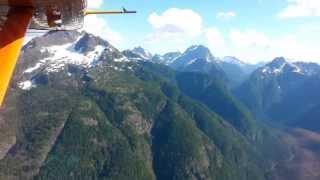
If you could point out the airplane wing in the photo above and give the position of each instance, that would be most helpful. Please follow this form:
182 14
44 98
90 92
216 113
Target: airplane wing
13 27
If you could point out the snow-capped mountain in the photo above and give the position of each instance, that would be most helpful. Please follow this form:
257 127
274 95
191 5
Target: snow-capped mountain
142 53
132 56
167 58
52 55
193 55
194 59
233 60
280 86
280 66
138 54
308 68
199 59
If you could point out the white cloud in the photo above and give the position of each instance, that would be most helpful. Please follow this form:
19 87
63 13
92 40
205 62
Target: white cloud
179 28
250 39
98 26
216 41
254 46
174 25
226 15
95 3
249 45
300 8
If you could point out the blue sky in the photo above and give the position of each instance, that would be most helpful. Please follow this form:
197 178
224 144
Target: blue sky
252 30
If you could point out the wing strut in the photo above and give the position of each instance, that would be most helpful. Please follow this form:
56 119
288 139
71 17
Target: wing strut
124 11
12 34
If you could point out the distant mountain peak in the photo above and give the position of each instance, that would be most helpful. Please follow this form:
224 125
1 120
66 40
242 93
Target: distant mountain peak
196 53
142 52
279 66
82 49
167 58
282 65
87 42
233 60
200 50
56 52
195 47
279 61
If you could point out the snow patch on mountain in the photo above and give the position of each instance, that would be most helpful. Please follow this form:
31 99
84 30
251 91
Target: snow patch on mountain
192 61
171 59
80 49
297 69
66 54
30 70
194 48
233 60
309 69
142 53
279 66
166 59
197 53
122 59
26 85
278 70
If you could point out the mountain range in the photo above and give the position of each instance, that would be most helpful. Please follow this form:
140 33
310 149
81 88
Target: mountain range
79 108
283 92
269 90
198 58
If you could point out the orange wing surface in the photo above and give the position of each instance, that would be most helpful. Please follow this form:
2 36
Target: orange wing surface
16 16
12 32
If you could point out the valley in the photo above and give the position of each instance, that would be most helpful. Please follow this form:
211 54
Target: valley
79 108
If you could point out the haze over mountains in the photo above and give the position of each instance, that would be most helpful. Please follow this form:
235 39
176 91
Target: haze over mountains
198 58
284 92
81 109
270 91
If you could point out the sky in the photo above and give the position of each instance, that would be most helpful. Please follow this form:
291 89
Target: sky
252 30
